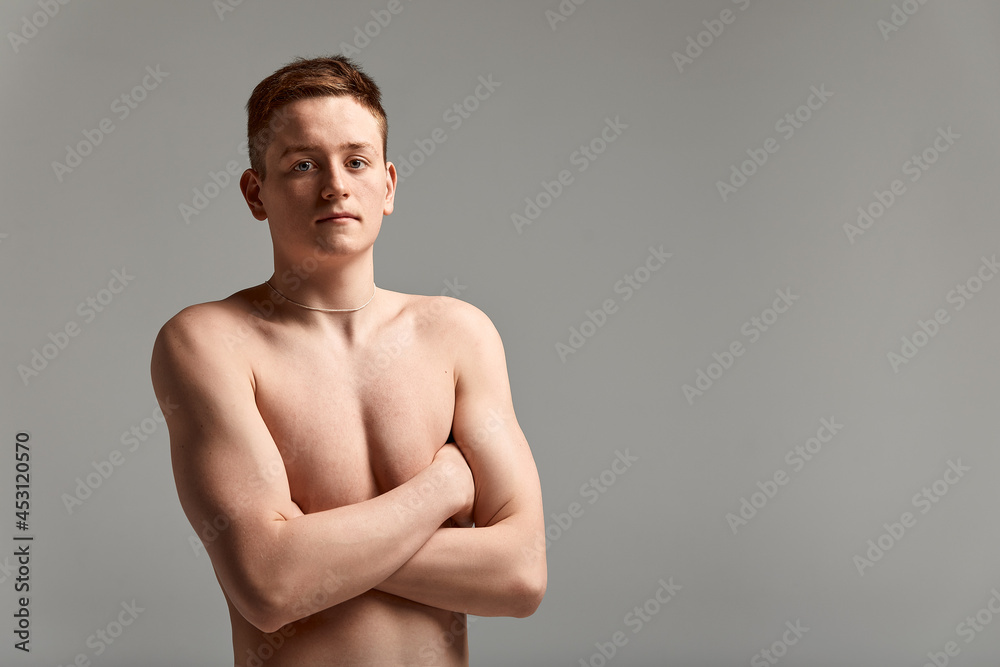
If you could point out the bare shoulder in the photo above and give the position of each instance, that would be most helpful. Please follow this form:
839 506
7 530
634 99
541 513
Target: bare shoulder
203 336
464 334
451 320
202 323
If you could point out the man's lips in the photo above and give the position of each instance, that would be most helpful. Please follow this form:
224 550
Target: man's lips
337 216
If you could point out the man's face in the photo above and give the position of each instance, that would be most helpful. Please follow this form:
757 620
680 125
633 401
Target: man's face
326 159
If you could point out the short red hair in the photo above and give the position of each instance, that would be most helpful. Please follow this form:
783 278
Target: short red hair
334 76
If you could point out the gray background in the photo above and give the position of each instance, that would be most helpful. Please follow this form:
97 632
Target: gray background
656 184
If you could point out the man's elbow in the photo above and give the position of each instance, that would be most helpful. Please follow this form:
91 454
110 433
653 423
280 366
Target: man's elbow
268 597
266 621
276 601
528 603
262 596
530 589
263 607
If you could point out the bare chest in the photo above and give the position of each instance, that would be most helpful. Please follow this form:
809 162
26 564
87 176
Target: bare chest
352 424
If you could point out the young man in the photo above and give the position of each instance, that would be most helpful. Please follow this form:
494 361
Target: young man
336 441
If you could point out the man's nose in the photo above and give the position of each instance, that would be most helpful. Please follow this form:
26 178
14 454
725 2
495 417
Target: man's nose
335 184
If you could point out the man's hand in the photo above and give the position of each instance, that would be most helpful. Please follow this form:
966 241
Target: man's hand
453 462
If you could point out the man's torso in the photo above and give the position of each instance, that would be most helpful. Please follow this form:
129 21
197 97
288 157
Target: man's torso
351 421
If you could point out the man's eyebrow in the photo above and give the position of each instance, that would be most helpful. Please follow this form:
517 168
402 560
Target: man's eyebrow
346 146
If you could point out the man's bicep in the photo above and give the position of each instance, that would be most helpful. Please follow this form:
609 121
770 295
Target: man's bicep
227 469
486 429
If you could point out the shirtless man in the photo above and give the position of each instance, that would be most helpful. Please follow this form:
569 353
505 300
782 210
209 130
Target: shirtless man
343 439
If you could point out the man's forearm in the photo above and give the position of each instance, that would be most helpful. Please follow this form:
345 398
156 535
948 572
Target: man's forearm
311 562
486 571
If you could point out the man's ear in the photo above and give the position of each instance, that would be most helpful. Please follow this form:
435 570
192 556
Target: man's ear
390 188
250 183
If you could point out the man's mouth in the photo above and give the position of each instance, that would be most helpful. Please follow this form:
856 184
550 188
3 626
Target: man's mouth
336 217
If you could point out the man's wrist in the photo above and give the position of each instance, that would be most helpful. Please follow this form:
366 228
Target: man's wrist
434 490
447 477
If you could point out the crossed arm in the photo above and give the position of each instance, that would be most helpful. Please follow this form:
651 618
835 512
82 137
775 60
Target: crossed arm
272 557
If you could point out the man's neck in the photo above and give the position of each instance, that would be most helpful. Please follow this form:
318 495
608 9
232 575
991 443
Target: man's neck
347 286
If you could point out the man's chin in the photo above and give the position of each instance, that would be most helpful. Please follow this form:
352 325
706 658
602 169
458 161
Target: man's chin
338 248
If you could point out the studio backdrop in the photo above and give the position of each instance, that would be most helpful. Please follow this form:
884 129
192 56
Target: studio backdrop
743 255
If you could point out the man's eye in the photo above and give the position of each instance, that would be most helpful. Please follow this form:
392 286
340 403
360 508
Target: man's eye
301 164
357 163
